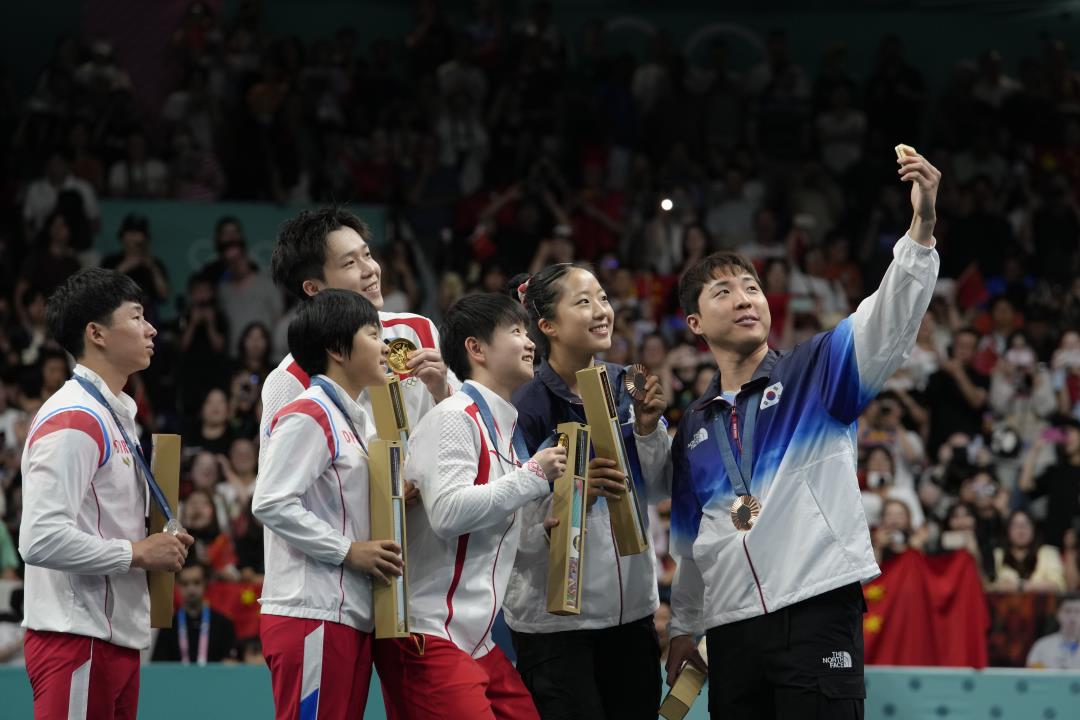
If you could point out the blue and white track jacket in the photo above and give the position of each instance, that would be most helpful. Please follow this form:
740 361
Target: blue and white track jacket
811 536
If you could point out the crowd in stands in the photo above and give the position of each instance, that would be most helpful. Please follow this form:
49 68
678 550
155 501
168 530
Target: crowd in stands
500 143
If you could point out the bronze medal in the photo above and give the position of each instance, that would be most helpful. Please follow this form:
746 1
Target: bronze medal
745 511
398 358
636 377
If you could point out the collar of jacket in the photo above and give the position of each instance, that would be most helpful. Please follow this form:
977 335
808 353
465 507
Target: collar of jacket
560 389
759 378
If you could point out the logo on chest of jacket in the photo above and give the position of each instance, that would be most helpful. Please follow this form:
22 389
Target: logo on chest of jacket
122 451
839 660
771 396
699 437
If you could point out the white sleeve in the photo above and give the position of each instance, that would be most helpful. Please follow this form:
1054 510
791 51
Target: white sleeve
885 324
454 504
57 472
296 457
279 389
853 360
534 544
654 452
687 598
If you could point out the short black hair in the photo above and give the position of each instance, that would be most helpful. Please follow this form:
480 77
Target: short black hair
219 226
90 295
193 562
300 250
697 276
134 222
328 324
477 316
540 293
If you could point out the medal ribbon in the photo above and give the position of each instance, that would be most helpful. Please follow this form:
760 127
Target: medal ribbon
136 451
738 472
320 382
517 441
204 636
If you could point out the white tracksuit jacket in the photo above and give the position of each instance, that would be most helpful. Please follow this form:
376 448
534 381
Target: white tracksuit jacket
811 536
84 503
462 544
312 497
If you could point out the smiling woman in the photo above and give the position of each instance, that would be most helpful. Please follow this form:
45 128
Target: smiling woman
572 321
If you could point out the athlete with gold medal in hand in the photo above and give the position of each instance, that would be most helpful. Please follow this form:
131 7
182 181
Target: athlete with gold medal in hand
330 248
767 526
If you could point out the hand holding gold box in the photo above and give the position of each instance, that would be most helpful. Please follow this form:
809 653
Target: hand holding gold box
627 522
387 506
165 464
686 689
566 555
388 407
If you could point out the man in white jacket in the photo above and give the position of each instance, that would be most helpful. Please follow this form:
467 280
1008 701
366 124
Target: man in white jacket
767 524
329 248
85 503
312 497
467 459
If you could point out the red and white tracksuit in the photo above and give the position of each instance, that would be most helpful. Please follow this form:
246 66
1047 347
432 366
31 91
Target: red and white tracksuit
461 549
312 497
88 611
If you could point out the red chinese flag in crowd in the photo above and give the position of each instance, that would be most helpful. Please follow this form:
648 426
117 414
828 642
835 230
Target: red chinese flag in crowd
962 618
926 611
898 627
237 601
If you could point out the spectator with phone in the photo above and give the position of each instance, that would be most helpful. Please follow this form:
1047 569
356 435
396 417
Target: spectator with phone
883 425
894 534
959 531
1021 390
1060 482
203 336
1025 564
879 474
957 393
991 502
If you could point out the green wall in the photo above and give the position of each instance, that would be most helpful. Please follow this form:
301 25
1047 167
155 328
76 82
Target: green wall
182 233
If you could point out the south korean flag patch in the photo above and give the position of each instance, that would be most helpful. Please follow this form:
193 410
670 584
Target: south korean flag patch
771 396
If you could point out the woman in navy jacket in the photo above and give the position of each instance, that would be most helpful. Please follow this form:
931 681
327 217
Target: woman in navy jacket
603 663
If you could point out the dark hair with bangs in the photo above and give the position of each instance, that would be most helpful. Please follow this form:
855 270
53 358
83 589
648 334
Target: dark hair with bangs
89 296
541 296
300 251
328 323
477 316
696 277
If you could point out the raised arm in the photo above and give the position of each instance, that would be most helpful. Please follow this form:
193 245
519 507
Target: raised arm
865 349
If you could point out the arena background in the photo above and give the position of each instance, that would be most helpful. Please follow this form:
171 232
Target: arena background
479 138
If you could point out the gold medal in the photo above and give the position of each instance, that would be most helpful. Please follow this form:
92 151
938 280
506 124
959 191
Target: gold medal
398 357
636 377
745 511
